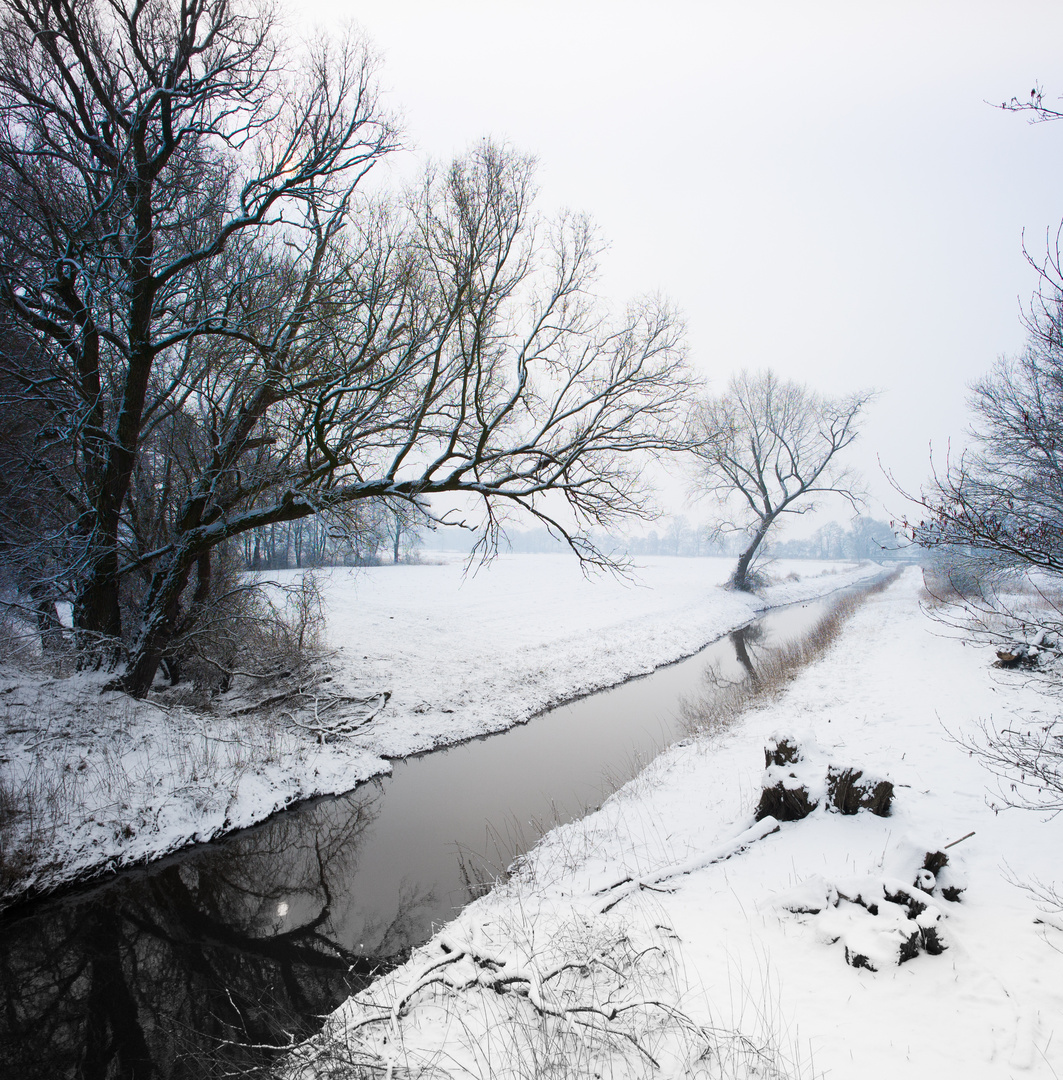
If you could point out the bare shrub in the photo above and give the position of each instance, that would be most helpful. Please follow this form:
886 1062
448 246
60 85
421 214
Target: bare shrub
13 856
18 644
32 810
1027 757
1017 613
1020 616
248 627
582 997
286 631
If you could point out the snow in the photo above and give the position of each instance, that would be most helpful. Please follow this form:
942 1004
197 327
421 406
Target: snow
98 781
774 946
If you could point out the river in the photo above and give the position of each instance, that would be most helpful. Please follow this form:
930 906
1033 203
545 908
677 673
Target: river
198 964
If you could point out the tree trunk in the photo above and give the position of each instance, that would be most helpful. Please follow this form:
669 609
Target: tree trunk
97 613
115 1044
740 577
738 639
157 624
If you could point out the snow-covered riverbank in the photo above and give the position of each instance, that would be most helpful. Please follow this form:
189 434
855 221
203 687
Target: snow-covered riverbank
668 920
92 781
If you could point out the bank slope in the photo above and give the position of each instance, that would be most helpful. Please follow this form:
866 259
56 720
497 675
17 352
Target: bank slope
91 781
670 934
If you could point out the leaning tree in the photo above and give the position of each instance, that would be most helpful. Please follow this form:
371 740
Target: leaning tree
228 334
767 448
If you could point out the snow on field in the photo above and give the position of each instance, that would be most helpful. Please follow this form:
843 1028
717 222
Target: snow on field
91 780
467 655
670 919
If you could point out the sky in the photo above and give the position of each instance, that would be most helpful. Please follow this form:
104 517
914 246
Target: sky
822 188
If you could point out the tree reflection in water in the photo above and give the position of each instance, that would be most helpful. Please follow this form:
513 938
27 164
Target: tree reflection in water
751 648
745 639
196 968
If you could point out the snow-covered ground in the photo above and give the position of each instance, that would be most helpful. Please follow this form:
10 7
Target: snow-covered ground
91 780
669 919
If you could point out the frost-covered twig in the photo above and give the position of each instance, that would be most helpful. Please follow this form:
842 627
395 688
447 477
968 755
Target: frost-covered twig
613 894
346 724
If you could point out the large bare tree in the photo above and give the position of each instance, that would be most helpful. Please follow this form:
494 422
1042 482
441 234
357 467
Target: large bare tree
767 448
233 337
147 152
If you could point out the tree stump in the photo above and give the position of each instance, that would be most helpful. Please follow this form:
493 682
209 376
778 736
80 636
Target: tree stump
849 791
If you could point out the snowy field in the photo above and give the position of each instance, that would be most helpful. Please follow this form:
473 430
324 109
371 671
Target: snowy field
669 935
94 780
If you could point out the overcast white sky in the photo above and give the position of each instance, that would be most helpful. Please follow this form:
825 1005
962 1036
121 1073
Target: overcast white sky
820 187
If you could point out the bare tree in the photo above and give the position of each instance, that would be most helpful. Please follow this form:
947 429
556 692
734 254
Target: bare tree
770 447
401 523
489 372
145 148
233 338
1002 503
1000 506
998 509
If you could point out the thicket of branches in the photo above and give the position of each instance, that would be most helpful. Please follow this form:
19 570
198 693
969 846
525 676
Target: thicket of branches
1001 504
992 521
208 329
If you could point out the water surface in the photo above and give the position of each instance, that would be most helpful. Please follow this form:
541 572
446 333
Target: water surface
195 966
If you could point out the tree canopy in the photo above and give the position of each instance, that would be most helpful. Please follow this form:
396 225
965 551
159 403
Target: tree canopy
215 329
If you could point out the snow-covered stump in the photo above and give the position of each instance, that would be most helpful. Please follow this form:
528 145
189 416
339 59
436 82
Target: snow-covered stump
787 794
901 921
880 922
1026 653
851 790
938 878
794 785
883 920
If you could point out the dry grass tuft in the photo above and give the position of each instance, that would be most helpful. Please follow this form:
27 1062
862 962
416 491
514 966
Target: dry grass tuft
30 817
531 997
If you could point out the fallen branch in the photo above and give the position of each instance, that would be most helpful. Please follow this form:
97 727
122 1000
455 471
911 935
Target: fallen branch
960 841
620 889
463 968
347 724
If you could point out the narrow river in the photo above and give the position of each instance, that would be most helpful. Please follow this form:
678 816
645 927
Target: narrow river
192 967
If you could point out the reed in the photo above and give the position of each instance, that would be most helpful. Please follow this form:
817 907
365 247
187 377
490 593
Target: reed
712 713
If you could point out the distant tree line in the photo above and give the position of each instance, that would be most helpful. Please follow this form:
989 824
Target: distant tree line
381 534
864 538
